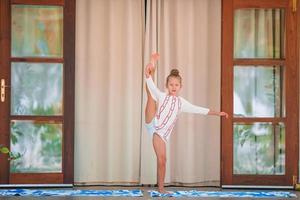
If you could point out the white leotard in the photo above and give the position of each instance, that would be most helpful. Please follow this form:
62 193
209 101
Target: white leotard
169 107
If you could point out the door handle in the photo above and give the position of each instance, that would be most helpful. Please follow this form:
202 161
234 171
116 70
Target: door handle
294 5
2 90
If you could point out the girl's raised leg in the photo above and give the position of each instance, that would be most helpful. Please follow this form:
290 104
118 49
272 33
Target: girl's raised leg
151 104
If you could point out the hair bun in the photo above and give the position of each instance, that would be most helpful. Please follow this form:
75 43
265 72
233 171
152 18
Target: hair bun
174 72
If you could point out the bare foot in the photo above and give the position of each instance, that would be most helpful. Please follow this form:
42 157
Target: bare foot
154 57
163 191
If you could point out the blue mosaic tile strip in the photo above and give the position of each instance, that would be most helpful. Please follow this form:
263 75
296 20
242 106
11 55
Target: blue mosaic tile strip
194 193
94 193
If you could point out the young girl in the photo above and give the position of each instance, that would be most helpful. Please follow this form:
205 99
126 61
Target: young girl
161 121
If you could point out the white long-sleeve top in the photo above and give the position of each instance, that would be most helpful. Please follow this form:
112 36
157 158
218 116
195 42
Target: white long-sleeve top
169 107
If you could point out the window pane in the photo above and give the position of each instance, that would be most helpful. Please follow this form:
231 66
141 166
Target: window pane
259 148
36 89
259 33
258 91
37 31
40 145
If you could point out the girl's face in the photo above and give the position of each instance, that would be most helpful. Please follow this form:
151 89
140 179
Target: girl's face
173 86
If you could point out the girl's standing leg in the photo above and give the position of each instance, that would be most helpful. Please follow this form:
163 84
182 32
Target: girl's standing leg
160 151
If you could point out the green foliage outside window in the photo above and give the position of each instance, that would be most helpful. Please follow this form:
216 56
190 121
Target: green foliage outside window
12 156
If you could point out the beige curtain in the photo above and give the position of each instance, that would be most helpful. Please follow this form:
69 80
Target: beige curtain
188 36
148 159
112 48
109 38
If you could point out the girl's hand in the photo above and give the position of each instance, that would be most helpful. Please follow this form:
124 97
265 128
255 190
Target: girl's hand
148 69
223 114
154 57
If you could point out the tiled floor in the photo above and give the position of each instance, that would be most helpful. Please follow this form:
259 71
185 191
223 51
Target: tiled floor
145 192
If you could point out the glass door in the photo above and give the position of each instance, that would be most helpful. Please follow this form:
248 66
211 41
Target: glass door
259 84
38 95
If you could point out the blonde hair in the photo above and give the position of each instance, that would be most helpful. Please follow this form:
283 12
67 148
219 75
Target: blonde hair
174 73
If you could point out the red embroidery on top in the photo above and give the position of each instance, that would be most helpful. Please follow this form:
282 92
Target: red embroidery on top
163 106
166 120
168 132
